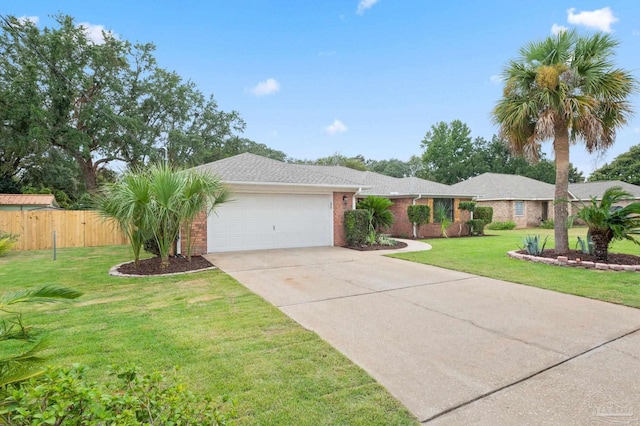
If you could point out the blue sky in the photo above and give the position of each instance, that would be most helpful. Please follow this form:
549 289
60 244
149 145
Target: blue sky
368 77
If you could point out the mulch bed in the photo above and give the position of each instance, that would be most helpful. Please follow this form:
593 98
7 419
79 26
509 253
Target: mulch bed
614 258
176 264
399 245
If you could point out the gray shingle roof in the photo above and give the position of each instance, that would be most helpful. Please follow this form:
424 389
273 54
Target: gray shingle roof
251 168
496 186
584 191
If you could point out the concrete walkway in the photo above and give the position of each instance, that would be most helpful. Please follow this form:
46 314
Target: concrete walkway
456 348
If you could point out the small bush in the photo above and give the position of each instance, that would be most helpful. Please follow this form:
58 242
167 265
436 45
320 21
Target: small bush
151 246
419 214
6 242
547 224
386 240
533 246
65 396
382 217
476 226
467 205
356 226
484 213
501 226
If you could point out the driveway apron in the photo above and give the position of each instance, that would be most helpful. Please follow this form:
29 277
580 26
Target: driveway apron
456 348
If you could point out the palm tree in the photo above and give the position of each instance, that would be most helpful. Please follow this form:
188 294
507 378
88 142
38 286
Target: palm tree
564 88
607 223
202 193
127 203
156 202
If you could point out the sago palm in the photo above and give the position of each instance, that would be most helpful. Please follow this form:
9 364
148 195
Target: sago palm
564 88
607 223
382 217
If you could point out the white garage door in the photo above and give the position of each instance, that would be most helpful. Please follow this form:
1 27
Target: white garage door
266 221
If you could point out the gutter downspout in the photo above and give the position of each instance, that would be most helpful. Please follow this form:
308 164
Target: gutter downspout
353 200
413 224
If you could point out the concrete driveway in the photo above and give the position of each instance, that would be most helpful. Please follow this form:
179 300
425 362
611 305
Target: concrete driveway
456 348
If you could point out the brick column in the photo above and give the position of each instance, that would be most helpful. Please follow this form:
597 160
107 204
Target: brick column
198 236
340 205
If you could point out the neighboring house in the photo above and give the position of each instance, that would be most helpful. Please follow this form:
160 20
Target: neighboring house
27 201
282 205
583 192
520 199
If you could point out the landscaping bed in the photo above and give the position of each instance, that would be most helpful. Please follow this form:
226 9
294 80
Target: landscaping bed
575 255
152 266
398 245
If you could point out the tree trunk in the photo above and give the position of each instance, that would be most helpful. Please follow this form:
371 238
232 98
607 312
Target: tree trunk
560 209
88 173
601 240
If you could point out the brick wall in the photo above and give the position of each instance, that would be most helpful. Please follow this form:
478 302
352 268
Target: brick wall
340 205
198 236
402 227
506 210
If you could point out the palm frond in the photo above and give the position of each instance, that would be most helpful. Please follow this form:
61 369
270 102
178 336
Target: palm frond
46 294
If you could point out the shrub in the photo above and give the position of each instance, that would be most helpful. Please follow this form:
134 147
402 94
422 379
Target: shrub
379 206
467 205
64 396
532 245
502 226
6 242
419 214
386 240
476 226
547 224
356 226
483 212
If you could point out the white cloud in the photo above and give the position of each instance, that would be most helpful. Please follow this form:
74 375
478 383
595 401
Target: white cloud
496 79
266 87
557 29
364 5
94 33
600 19
336 127
33 19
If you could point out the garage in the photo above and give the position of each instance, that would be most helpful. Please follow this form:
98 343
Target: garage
258 221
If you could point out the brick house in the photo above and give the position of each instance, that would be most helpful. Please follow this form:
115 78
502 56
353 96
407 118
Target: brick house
582 192
282 205
520 199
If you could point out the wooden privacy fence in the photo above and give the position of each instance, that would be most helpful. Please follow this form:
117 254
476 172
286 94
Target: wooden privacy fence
74 228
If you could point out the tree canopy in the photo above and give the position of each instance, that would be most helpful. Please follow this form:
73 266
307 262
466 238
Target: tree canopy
97 103
625 167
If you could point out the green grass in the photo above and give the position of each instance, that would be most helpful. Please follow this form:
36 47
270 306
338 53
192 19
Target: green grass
225 339
487 256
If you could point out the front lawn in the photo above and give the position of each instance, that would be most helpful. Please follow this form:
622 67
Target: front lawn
225 339
487 256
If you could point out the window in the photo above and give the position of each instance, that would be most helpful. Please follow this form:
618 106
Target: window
447 203
519 208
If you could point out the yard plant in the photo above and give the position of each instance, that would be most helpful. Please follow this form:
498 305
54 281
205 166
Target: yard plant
157 202
566 88
607 223
381 216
